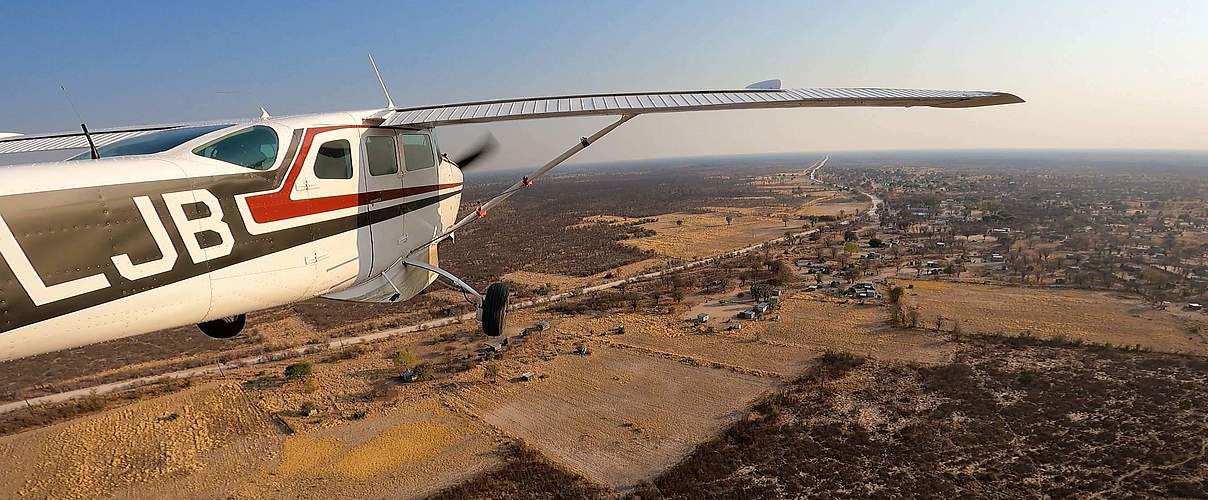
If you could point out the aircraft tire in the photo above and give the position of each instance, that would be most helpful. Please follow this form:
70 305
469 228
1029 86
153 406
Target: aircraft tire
223 328
495 309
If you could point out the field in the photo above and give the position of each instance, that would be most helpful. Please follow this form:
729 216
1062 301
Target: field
1093 317
615 416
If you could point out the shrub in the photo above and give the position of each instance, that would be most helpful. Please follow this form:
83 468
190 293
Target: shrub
404 359
490 372
298 371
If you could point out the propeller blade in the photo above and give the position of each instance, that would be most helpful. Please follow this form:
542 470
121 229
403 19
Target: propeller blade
485 147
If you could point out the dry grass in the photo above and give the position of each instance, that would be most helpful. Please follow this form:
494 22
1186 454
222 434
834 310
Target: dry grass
1092 317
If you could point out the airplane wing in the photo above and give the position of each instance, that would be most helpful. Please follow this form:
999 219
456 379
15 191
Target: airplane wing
763 95
679 101
18 143
575 105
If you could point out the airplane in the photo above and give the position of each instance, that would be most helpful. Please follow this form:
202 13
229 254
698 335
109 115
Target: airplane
162 226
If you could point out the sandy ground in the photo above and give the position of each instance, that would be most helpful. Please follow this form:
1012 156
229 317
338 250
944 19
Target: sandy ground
616 417
411 451
1098 317
215 441
137 451
702 235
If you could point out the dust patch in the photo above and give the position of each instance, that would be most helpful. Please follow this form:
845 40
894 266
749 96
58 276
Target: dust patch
147 442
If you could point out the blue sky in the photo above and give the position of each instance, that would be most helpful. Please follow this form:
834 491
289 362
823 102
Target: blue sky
1096 74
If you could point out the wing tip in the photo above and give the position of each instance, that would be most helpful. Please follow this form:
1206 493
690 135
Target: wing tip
992 99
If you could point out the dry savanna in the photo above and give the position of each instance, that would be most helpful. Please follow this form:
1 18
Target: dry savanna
653 389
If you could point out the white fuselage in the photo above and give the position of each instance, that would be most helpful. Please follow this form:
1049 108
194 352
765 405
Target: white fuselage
95 250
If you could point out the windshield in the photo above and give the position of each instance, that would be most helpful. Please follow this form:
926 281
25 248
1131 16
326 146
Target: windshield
155 142
254 148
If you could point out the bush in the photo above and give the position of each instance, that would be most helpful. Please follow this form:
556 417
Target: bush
348 352
404 359
298 371
490 372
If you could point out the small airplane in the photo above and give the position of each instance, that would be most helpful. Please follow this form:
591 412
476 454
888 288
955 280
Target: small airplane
162 226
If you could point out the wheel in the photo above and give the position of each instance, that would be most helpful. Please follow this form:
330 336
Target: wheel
223 328
494 309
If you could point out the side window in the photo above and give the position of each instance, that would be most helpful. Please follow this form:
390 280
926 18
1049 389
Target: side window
254 148
334 160
382 155
417 152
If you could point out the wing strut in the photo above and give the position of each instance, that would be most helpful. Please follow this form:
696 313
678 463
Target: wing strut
526 181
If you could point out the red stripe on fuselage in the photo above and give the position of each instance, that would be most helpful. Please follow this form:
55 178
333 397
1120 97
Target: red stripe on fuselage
277 206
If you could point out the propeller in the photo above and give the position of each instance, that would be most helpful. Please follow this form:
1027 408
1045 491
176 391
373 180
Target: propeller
485 147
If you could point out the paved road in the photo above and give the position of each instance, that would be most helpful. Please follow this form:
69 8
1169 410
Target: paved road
874 214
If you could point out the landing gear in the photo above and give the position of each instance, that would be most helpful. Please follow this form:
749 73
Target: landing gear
223 328
494 310
492 306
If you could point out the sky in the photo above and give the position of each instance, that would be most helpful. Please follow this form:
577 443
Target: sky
1095 74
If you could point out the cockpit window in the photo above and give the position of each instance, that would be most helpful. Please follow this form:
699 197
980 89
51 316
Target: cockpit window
155 142
417 152
254 148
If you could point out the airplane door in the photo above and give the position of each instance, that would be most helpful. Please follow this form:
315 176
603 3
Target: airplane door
331 182
383 187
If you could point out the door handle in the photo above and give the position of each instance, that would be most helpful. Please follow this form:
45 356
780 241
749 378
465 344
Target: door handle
316 257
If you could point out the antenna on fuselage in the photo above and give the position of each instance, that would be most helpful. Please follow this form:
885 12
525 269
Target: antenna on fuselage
91 145
389 101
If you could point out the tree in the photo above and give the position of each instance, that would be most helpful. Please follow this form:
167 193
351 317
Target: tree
729 219
895 295
781 274
851 247
679 222
912 317
875 242
761 291
850 235
897 315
